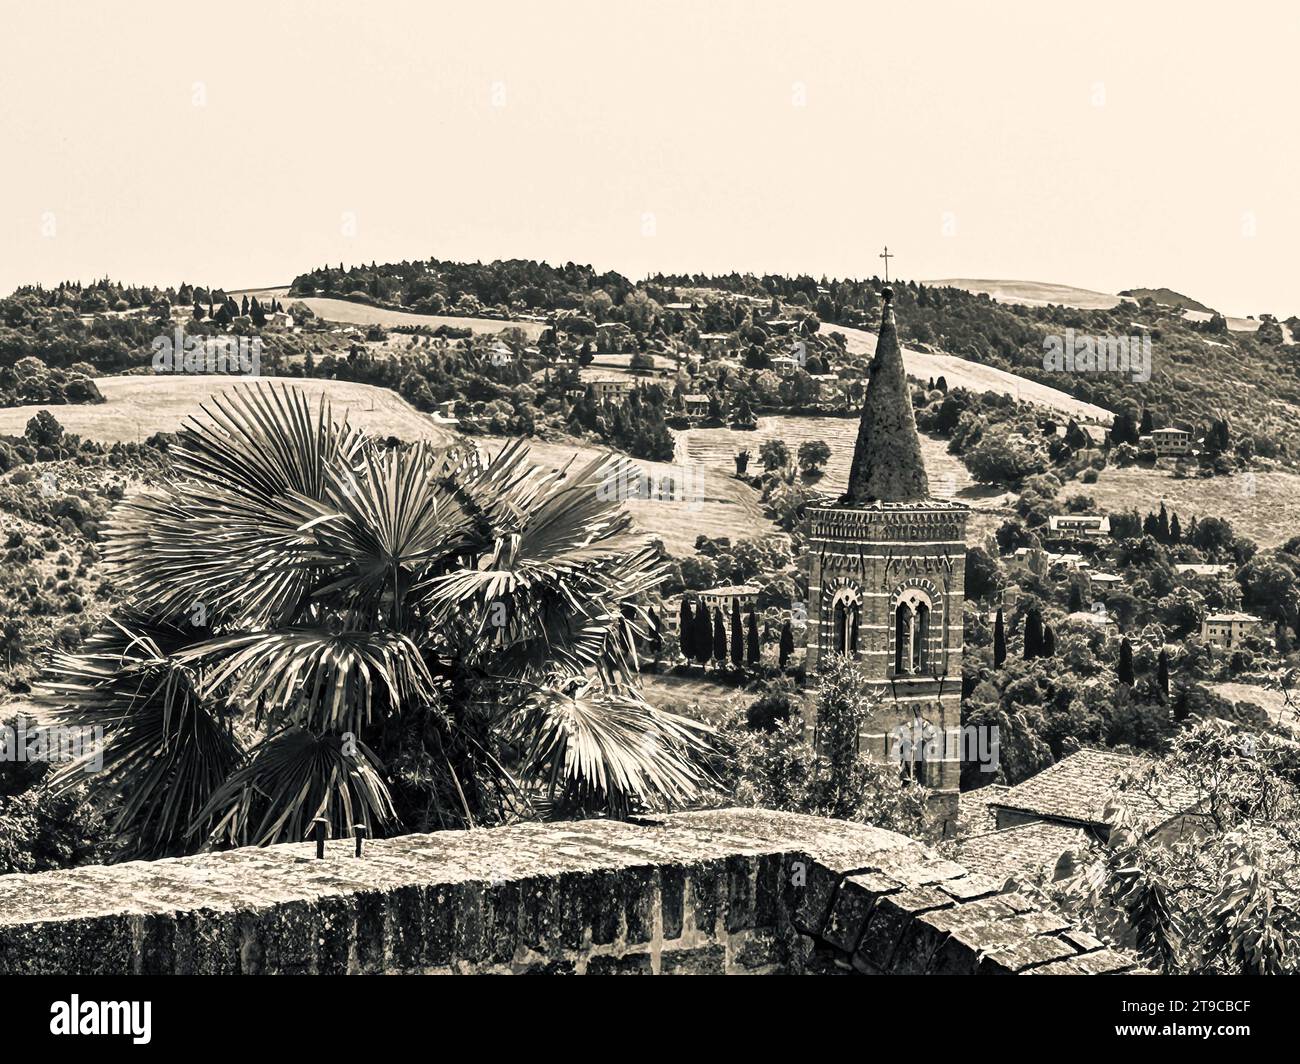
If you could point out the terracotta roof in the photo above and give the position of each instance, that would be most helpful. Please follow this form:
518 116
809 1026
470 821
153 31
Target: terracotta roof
1022 852
1078 787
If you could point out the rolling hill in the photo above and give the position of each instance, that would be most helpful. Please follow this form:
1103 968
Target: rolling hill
346 312
1032 293
977 377
138 406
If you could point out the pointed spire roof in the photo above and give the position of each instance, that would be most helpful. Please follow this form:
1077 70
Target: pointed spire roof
887 463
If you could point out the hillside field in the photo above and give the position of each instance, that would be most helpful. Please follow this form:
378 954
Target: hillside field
138 406
1263 506
346 312
962 373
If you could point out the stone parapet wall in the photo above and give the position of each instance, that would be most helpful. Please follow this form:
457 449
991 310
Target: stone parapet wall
729 891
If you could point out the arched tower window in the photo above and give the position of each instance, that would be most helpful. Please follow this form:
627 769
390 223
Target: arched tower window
912 650
846 617
903 620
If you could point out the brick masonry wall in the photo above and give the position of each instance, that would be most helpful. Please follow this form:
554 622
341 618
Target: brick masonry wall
727 891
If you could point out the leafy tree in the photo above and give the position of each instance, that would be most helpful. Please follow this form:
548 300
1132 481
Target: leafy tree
1222 901
999 641
1033 634
43 429
813 454
983 573
774 454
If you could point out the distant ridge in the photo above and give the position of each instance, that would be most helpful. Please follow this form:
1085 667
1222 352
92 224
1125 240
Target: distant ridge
1169 298
1032 293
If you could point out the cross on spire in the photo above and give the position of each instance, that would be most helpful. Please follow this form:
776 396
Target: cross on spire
886 256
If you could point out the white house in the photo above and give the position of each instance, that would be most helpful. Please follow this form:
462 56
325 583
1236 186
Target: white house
1090 525
1170 442
1228 630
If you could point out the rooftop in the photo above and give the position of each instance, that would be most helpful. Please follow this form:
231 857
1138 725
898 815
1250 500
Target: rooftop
1022 852
732 589
1077 788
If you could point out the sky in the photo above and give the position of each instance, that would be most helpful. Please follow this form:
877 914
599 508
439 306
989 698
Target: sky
1103 145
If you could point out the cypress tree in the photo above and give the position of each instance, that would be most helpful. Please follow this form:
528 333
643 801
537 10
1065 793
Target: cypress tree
752 652
737 636
787 643
1125 671
1049 642
719 637
1175 530
1162 523
702 630
1033 634
684 625
999 642
1075 605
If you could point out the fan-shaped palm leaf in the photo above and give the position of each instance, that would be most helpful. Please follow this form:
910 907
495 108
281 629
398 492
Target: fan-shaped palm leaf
165 752
292 778
597 748
324 681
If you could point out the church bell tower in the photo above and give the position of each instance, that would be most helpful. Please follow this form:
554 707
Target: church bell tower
886 581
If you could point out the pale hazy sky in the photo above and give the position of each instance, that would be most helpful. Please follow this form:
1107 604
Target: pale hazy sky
1106 145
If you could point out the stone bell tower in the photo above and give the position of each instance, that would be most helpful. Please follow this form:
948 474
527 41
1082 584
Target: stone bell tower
886 580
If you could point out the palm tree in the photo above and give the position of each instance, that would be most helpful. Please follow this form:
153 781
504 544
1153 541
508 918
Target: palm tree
407 638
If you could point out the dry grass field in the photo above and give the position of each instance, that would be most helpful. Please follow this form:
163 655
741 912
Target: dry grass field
962 373
346 312
728 507
1262 506
949 478
136 407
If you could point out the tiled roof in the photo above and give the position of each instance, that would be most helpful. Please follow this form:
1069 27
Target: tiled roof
973 811
1023 851
1078 787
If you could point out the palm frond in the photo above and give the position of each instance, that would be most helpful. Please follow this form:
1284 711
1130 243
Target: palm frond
227 536
324 681
599 748
165 752
292 778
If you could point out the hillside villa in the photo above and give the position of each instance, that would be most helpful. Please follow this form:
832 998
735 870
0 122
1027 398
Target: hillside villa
1229 630
722 598
1092 526
609 389
1172 443
697 406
